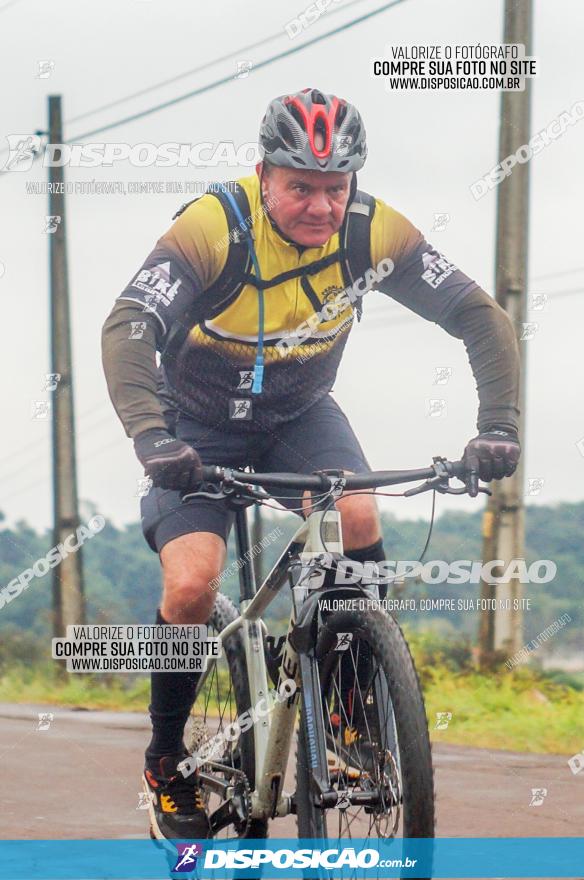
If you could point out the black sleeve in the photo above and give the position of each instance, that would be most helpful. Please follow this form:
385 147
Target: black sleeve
426 282
490 341
160 296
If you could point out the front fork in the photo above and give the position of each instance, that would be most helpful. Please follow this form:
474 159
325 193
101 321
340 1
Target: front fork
324 537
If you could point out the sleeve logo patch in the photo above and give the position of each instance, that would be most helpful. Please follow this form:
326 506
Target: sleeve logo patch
156 283
436 268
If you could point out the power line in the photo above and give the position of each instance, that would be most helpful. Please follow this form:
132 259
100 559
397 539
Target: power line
197 69
42 480
10 3
558 274
84 433
558 293
409 318
225 79
39 442
220 82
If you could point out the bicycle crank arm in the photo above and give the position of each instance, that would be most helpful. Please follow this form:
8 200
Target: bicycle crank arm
217 786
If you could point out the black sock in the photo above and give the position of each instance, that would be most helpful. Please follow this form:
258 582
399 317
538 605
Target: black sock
172 696
373 553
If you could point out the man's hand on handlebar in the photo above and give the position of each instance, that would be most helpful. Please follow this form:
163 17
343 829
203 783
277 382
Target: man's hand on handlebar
170 463
491 455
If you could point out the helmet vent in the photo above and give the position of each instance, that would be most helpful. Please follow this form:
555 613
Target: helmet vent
299 131
320 134
286 134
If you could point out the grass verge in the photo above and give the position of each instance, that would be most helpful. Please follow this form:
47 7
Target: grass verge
525 710
41 683
521 712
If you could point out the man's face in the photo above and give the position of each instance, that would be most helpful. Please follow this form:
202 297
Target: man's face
308 206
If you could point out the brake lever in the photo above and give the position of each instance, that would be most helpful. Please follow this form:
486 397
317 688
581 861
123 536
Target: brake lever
436 484
463 490
228 490
201 493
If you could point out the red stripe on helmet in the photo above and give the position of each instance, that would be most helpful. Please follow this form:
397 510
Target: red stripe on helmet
317 111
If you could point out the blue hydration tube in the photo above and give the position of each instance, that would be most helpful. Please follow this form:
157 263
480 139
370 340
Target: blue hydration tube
258 373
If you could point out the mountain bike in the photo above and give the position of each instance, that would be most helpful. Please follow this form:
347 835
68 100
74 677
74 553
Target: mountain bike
363 757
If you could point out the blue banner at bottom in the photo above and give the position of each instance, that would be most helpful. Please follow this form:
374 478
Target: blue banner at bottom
468 857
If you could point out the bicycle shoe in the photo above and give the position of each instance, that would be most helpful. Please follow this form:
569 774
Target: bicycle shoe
176 804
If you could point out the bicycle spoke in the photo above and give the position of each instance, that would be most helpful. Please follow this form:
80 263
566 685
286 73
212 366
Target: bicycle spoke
356 726
214 710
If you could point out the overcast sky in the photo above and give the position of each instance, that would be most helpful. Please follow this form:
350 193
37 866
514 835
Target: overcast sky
425 149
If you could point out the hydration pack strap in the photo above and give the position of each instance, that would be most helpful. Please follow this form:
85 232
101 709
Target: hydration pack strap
256 280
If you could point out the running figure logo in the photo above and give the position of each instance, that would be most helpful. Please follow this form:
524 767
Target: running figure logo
137 329
245 380
239 409
22 151
187 856
443 719
51 381
52 222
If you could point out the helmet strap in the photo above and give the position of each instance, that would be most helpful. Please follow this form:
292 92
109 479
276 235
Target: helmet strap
353 190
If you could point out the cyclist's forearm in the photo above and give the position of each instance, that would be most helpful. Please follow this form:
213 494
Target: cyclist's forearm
491 344
130 368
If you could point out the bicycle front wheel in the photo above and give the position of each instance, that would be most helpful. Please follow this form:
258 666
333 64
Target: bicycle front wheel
378 746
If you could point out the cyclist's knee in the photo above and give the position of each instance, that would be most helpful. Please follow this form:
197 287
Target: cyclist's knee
191 566
360 518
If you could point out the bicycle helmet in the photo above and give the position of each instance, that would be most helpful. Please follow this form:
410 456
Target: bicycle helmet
313 131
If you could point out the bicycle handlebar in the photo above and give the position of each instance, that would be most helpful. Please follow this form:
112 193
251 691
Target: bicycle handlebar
441 471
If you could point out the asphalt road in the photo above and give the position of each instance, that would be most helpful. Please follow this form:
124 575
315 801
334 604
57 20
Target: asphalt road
80 778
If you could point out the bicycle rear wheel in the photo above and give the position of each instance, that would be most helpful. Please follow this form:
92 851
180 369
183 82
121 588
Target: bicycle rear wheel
222 698
376 732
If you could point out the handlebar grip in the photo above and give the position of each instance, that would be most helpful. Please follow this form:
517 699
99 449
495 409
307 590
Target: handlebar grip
457 469
211 473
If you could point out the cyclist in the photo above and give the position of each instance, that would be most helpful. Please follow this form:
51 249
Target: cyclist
250 297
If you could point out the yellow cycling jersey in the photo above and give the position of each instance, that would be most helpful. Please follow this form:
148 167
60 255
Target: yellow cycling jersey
306 320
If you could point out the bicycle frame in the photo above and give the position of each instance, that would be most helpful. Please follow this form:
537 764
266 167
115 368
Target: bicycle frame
317 545
273 733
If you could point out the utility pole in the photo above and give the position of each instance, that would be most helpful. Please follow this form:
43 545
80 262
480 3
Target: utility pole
501 628
68 593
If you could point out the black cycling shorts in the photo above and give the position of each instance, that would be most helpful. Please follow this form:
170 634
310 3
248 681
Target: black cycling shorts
320 438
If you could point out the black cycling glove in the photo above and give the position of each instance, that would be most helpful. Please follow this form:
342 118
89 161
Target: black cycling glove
170 463
492 455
